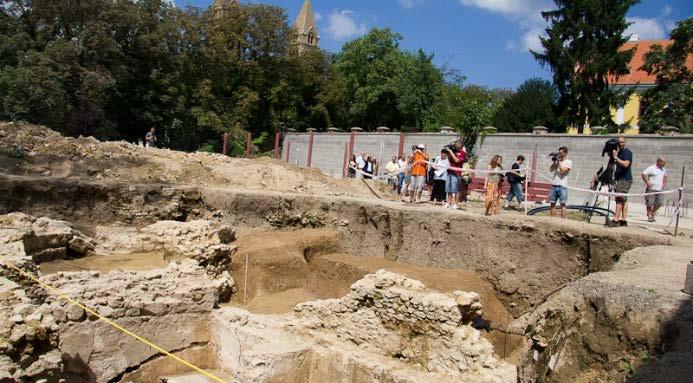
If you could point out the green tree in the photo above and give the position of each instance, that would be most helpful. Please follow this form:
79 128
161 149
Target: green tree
418 87
366 68
582 48
531 105
670 102
115 69
384 85
467 109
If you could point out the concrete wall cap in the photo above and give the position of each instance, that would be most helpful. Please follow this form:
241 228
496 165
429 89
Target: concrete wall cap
540 130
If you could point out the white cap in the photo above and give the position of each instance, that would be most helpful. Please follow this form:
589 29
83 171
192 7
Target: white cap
421 146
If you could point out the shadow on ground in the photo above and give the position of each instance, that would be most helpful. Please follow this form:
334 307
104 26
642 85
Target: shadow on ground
672 361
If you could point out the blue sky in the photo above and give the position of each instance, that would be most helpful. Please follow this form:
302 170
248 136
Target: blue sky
486 40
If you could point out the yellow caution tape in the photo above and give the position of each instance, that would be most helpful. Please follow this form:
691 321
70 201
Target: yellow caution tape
115 325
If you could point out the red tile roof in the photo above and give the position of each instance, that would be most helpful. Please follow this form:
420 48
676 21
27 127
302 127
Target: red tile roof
637 75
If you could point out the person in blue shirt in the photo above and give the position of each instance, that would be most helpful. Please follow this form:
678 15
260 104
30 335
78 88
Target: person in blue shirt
624 180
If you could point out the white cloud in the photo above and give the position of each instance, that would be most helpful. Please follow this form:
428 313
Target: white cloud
646 28
527 15
318 16
342 25
407 4
666 10
530 40
508 7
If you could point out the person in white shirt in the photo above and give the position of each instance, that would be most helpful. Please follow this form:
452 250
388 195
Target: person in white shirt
655 178
402 162
559 184
440 169
390 168
361 164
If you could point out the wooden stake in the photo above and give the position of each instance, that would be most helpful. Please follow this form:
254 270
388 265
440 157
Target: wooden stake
526 191
245 282
680 203
226 144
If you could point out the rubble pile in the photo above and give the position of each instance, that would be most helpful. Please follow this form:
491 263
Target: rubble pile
45 337
385 310
180 288
28 338
26 238
52 338
388 328
207 242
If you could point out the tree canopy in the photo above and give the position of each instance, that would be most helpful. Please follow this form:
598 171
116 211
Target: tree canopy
115 69
533 104
583 49
670 102
384 85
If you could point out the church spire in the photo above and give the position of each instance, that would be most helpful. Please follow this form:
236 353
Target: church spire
306 27
219 6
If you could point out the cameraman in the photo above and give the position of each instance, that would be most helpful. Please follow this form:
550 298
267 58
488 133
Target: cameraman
623 158
452 184
559 184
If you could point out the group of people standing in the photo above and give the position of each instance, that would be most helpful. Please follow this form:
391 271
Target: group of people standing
621 159
367 164
450 173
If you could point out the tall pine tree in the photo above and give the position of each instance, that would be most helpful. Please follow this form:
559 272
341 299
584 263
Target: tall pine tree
582 49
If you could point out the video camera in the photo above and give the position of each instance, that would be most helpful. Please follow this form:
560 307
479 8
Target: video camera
555 157
450 147
609 147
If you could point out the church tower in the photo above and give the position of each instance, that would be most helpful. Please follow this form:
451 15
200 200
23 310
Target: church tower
307 28
220 5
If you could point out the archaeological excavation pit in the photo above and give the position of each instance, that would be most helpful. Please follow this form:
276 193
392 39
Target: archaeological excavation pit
267 284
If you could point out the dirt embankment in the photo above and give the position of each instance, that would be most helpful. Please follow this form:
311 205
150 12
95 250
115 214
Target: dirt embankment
525 259
631 322
32 150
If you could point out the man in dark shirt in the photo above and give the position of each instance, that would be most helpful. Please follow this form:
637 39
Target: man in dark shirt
624 180
515 180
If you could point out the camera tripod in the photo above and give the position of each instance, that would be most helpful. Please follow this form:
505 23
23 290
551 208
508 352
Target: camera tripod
603 177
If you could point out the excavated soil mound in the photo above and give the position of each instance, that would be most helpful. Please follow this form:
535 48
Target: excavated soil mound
27 149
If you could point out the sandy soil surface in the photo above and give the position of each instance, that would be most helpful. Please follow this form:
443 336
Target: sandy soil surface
280 252
106 263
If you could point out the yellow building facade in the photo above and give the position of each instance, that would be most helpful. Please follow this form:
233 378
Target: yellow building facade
627 117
